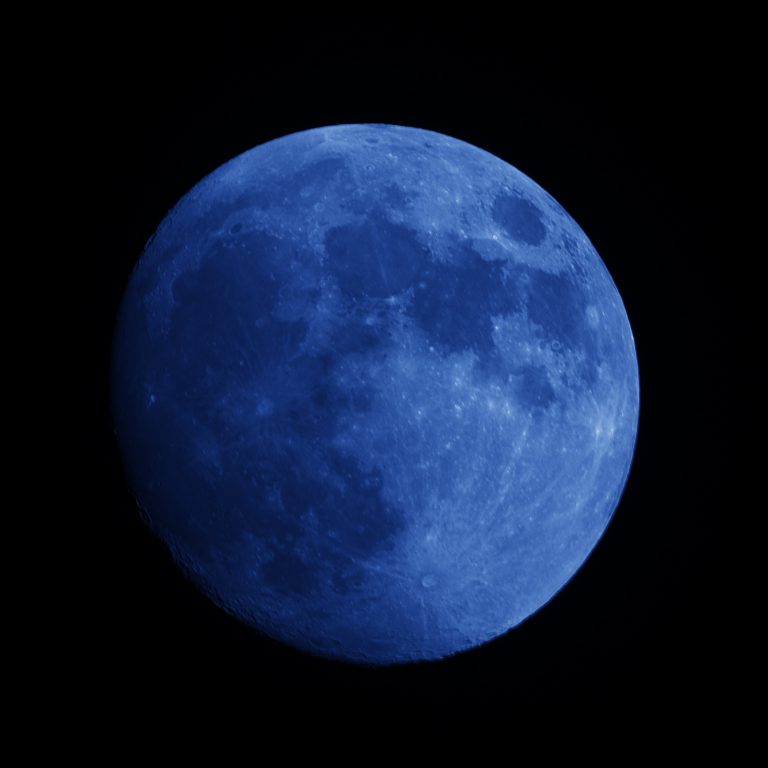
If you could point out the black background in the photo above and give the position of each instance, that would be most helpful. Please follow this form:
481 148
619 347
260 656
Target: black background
626 140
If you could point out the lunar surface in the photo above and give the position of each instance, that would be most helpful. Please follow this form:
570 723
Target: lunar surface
376 391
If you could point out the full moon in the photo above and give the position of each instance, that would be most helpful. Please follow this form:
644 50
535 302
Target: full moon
376 391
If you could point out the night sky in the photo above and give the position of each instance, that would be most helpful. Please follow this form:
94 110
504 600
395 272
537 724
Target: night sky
618 138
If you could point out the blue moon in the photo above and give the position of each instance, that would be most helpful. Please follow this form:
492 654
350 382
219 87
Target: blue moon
376 391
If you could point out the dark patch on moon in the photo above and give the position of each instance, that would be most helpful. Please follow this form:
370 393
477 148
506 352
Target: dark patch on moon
445 292
558 305
315 176
375 259
233 289
236 289
359 337
287 573
319 502
533 387
308 183
396 198
554 303
336 509
314 399
519 218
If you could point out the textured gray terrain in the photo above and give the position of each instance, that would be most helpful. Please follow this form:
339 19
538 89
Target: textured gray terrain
376 391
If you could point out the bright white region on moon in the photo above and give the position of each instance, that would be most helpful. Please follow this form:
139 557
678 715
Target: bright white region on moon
376 391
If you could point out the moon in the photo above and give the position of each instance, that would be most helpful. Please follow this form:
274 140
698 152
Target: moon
376 391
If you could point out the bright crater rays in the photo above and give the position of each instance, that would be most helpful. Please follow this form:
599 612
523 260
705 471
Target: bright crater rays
376 391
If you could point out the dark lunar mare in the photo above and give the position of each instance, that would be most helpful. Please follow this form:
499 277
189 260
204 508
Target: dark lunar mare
224 344
376 392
